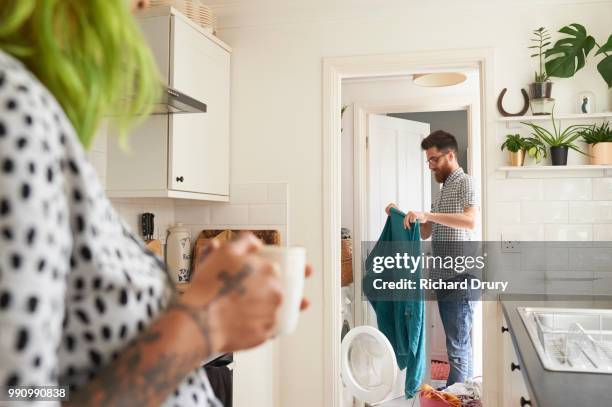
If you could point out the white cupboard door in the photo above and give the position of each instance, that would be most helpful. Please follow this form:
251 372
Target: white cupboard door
187 153
143 165
201 69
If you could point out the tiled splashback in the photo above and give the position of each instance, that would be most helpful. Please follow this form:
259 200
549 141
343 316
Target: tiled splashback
553 209
252 206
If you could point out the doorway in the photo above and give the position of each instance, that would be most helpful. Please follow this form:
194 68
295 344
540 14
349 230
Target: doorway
368 68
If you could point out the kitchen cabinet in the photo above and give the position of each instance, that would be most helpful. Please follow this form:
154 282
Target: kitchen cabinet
514 390
180 155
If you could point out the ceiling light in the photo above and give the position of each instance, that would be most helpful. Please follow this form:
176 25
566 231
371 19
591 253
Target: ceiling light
437 79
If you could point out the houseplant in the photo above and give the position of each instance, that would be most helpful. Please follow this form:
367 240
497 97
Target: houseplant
515 145
559 141
541 86
599 140
568 55
535 148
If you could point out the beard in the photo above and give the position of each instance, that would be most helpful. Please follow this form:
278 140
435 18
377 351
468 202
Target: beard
441 174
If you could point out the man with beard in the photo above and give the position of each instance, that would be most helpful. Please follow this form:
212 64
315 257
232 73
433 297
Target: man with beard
453 218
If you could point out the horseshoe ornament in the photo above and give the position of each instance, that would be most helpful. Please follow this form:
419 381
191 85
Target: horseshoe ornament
504 113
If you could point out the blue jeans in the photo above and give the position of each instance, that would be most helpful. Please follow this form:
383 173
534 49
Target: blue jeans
457 313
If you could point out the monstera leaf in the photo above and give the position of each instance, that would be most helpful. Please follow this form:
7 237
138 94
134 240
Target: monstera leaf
568 55
605 66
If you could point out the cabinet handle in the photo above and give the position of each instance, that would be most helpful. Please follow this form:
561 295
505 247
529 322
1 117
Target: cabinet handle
180 179
525 402
504 329
513 367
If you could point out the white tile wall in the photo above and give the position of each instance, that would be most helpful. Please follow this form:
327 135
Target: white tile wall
254 206
520 190
567 189
556 209
568 232
229 214
602 284
575 282
590 212
544 212
602 189
507 212
522 232
572 208
275 214
192 211
602 232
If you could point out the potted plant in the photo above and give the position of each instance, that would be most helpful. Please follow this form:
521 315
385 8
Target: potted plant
541 88
559 141
568 55
516 148
599 140
535 148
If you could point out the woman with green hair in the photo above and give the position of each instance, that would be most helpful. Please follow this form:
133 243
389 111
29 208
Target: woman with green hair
84 306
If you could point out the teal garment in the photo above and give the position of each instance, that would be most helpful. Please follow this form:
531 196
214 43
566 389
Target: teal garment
402 321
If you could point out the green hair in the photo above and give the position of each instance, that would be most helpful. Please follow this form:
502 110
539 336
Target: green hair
90 54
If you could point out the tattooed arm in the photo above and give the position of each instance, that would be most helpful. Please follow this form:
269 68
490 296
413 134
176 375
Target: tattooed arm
231 305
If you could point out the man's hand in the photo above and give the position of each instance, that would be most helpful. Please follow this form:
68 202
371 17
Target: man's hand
388 208
412 217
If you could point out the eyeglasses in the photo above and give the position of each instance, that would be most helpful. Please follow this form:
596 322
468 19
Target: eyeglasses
434 160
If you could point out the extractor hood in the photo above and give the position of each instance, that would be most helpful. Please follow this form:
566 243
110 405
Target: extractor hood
173 101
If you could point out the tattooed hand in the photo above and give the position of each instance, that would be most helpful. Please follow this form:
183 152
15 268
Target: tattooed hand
231 305
234 296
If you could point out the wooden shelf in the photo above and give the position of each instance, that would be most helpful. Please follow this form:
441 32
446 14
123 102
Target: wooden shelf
542 118
551 171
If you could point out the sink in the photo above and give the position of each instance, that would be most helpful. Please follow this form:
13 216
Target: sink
571 339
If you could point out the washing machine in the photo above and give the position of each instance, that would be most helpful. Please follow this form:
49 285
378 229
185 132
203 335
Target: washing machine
369 369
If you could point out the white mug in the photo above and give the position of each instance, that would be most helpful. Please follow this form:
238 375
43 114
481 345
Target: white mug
291 262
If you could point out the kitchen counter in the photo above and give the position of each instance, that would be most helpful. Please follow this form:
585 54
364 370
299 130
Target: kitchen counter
549 388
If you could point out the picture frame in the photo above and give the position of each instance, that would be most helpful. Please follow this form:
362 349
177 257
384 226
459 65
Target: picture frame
585 102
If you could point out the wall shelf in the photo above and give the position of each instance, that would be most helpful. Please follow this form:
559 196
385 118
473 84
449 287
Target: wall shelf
553 171
541 118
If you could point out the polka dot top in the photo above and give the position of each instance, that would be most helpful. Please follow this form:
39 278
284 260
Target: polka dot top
75 285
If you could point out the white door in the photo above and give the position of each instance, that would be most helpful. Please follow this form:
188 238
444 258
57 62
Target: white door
397 172
397 169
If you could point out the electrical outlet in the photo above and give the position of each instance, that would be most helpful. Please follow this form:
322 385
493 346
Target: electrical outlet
510 246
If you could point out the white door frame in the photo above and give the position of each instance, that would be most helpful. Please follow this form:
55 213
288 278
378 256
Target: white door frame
334 70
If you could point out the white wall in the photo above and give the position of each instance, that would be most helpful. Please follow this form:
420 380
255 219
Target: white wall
276 105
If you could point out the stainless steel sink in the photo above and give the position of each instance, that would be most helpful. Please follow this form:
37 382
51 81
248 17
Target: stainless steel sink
571 339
